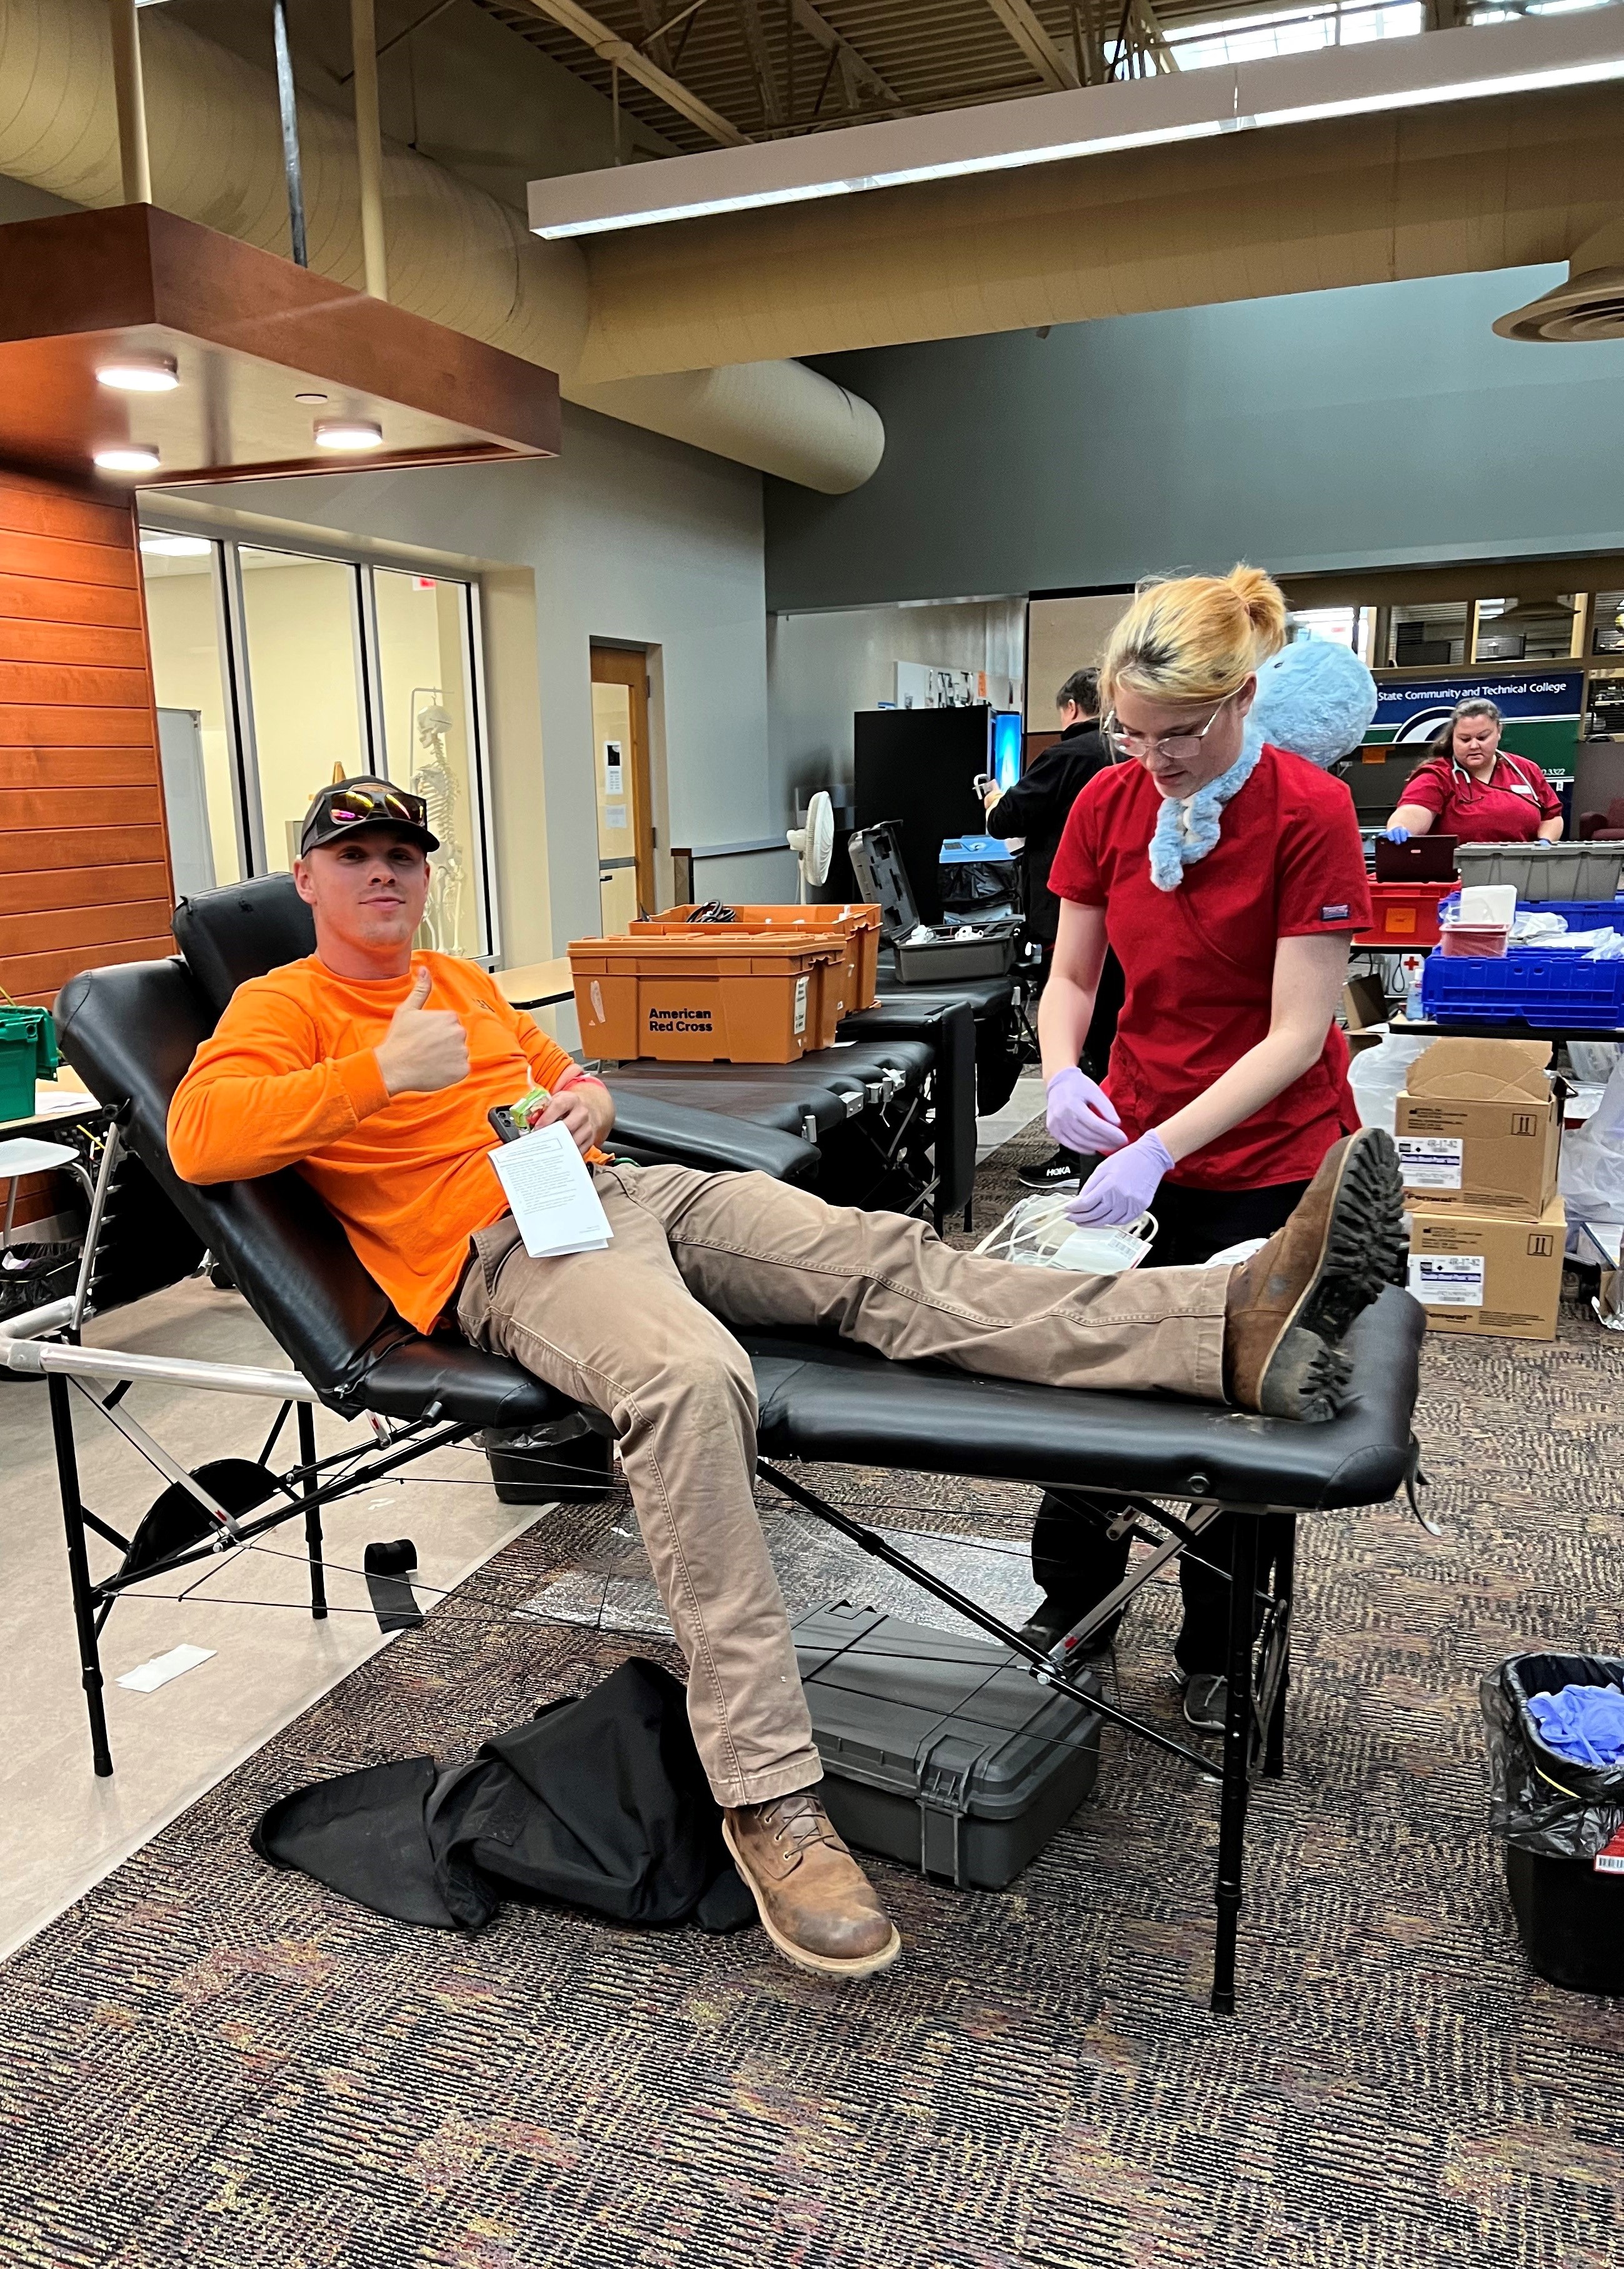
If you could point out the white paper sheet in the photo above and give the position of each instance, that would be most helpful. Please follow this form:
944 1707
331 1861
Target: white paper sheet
550 1193
147 1677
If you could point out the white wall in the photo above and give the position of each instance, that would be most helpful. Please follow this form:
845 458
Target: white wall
625 536
822 667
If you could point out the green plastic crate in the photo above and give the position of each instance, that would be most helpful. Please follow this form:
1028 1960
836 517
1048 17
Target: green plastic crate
27 1054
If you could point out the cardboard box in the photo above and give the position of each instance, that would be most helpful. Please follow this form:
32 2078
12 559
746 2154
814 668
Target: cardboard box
1364 1004
1478 1126
1600 1244
1487 1275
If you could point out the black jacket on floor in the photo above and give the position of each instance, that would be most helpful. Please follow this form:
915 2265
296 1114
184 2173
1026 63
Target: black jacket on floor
600 1802
1039 806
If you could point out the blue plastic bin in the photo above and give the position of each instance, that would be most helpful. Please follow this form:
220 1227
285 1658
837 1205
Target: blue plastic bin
1561 989
1578 913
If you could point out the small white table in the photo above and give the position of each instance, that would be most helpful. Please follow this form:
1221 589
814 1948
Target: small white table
25 1155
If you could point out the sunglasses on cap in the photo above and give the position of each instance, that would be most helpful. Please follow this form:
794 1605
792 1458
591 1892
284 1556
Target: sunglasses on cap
348 805
343 807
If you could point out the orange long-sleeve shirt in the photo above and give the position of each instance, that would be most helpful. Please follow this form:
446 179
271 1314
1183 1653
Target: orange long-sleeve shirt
290 1077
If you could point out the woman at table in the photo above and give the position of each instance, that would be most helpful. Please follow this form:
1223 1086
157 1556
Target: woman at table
1228 876
1472 788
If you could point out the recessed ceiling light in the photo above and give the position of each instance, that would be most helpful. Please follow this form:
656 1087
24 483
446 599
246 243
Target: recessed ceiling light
177 547
128 457
310 397
140 373
348 433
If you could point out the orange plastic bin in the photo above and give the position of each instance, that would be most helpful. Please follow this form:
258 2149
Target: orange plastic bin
1404 915
703 997
857 925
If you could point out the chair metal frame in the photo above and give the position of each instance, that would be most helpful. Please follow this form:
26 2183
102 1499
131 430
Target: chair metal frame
46 1342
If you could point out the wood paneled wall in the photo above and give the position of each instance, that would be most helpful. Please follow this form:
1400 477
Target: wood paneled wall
85 874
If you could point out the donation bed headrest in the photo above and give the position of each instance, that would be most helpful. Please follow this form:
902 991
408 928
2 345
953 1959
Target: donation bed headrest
241 931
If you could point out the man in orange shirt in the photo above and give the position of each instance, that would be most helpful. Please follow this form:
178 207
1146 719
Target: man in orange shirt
372 1068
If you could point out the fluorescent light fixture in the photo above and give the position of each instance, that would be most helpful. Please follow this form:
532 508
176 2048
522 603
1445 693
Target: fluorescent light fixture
176 547
348 433
901 177
1352 80
139 374
128 457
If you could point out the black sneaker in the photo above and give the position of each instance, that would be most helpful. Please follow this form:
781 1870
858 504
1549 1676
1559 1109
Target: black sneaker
1062 1172
1207 1700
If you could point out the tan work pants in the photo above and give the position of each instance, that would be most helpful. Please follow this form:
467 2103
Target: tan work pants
639 1331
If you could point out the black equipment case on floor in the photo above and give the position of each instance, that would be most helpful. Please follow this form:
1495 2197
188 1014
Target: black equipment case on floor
940 1749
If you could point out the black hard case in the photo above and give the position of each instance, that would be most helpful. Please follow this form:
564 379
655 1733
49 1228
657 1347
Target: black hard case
938 1749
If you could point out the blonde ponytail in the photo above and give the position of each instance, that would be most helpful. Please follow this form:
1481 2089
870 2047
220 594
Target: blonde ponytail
1195 637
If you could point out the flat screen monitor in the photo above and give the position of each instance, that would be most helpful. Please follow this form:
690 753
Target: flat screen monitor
1007 736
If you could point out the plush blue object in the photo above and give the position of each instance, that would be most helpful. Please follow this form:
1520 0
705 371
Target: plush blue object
1184 833
1315 698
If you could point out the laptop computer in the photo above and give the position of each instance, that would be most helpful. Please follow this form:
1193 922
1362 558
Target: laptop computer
1423 859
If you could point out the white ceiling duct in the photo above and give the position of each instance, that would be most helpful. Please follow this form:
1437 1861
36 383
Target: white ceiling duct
1589 305
456 255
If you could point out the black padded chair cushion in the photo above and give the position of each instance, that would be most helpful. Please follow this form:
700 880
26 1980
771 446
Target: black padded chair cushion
827 1083
130 1032
241 931
826 1401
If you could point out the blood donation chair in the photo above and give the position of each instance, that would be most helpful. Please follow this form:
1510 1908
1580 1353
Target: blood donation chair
130 1032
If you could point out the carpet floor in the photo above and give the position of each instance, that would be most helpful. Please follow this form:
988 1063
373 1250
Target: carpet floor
207 2063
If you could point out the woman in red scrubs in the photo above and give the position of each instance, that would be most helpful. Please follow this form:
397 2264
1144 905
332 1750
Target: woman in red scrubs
1472 788
1228 878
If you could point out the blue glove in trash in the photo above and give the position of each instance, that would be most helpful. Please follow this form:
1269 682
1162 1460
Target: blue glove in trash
1396 834
1584 1722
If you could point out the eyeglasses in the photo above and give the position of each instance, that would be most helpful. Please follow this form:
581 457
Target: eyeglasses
341 807
1171 746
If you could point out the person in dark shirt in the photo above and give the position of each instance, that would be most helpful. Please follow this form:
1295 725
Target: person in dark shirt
1036 808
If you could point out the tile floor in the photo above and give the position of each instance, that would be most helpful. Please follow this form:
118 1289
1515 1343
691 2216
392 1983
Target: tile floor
61 1829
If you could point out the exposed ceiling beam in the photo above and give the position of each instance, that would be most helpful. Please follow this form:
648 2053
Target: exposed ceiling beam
1034 42
613 50
654 41
749 14
1152 38
854 69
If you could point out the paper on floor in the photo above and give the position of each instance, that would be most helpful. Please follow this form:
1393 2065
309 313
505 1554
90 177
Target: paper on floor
147 1677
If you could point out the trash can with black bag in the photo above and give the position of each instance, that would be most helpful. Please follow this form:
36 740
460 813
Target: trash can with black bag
1563 1822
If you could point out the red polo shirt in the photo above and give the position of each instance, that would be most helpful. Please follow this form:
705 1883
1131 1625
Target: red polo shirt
1506 808
1198 962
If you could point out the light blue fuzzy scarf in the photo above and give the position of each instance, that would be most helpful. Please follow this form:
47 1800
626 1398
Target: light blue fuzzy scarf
1179 841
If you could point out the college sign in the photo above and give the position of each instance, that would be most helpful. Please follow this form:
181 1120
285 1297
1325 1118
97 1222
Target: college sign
1541 707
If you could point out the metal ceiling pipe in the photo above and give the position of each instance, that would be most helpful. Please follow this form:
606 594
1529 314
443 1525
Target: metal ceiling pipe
456 255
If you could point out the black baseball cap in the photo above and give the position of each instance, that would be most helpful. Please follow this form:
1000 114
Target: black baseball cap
349 805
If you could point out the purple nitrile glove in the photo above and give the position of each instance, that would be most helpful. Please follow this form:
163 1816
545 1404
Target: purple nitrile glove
1120 1188
1081 1115
1396 834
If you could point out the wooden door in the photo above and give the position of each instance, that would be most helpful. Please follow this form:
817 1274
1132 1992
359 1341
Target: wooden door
621 772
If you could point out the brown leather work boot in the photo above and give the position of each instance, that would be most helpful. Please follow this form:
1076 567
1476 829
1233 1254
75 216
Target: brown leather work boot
1290 1304
815 1904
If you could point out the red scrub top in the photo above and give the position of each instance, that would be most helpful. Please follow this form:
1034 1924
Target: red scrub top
1506 808
1198 962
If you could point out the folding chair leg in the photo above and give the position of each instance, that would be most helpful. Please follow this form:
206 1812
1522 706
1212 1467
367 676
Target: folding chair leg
313 1519
1285 1553
78 1572
1239 1732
